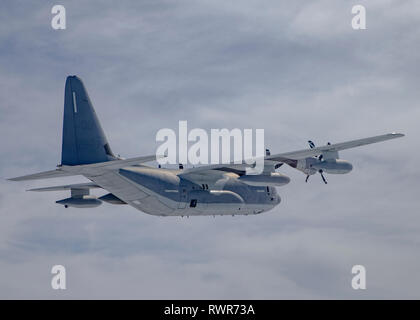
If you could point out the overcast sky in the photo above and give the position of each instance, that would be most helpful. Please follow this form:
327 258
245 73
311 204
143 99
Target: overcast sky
294 68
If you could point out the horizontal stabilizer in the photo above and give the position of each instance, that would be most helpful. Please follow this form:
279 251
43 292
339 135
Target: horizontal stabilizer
83 169
44 175
78 186
117 164
114 164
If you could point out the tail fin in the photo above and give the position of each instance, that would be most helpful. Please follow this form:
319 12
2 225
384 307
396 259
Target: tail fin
84 141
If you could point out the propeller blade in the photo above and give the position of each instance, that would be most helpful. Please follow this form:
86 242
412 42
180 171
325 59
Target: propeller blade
322 176
311 144
307 177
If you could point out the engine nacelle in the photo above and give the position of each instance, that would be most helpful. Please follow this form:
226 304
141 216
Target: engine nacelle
80 202
334 166
274 179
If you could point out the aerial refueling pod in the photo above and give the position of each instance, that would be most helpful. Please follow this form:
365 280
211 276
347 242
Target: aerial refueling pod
274 179
80 198
80 202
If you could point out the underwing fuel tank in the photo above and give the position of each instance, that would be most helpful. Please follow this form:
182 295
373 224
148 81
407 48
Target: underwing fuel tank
336 166
80 202
274 179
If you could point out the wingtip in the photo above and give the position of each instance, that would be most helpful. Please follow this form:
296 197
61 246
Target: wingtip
397 134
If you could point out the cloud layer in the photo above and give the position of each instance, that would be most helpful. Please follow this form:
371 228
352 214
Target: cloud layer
297 69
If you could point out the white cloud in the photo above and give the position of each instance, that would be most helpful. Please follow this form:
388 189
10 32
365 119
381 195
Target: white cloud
297 70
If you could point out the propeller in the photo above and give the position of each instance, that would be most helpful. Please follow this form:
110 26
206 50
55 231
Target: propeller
320 157
322 176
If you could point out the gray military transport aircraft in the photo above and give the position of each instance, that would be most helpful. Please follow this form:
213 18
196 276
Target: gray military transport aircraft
216 189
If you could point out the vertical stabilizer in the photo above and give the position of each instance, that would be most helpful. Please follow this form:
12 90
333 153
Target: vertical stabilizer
84 141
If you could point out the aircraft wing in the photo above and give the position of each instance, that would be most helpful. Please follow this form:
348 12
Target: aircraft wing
43 175
287 156
78 186
301 154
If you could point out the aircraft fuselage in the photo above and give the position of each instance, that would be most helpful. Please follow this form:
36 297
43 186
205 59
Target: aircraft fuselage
163 192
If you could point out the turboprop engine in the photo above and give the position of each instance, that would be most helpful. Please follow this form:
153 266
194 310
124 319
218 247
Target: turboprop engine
334 166
327 162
